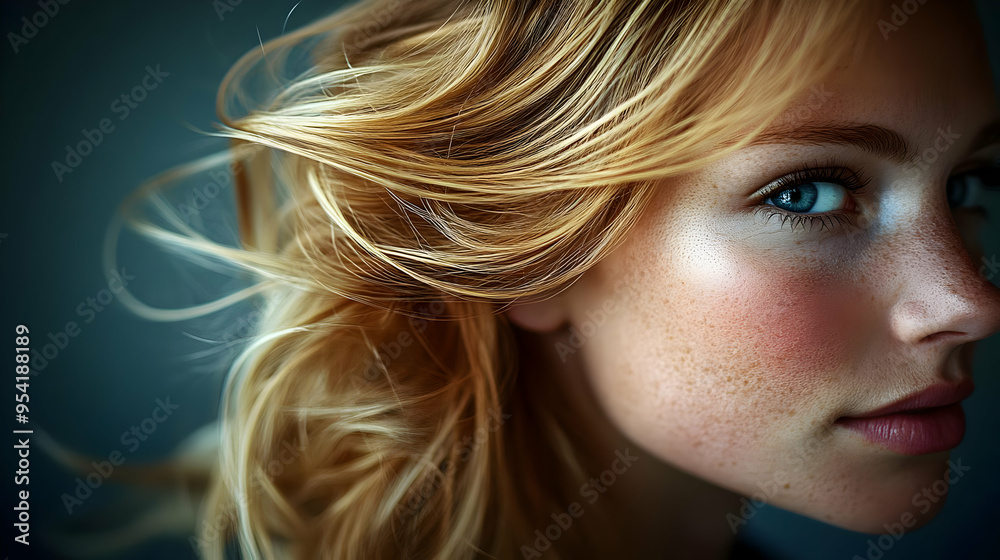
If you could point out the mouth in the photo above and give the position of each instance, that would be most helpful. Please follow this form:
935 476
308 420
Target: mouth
927 421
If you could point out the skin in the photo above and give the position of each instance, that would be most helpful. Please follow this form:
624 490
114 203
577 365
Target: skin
736 341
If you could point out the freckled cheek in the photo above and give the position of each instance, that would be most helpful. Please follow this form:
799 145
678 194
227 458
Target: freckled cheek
705 367
787 337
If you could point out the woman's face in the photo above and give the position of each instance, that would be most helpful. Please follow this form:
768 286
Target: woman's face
745 333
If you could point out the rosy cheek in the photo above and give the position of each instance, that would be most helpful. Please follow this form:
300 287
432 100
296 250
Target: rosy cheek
797 325
793 335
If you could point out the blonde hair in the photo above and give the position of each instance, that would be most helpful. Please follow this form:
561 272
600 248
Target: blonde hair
436 163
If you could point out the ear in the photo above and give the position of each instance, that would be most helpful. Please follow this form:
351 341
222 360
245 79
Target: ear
541 316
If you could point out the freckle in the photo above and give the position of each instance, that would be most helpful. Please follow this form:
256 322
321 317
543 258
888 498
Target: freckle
787 485
722 464
734 463
791 412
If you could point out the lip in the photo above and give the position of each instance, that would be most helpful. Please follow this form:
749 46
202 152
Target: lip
928 421
942 394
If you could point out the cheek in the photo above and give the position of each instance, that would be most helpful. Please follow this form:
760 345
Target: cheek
731 359
794 332
725 367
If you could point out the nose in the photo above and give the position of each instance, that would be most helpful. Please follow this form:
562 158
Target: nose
944 295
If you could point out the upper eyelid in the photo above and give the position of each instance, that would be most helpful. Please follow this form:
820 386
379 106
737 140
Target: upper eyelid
979 163
775 185
986 187
984 153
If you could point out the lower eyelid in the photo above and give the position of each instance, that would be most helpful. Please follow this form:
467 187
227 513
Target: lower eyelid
811 222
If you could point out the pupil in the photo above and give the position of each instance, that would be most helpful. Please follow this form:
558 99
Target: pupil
797 199
791 196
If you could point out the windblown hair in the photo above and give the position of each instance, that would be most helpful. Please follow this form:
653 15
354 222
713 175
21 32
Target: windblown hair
438 161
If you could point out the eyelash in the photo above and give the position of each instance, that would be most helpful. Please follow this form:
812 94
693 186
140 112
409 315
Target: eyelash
852 181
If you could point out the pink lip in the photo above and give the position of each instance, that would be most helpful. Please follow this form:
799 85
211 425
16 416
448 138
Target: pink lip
928 421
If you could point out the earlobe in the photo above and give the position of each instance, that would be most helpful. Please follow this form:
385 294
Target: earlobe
542 316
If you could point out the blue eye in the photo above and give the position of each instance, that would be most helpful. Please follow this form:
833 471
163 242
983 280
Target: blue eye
963 190
814 196
810 198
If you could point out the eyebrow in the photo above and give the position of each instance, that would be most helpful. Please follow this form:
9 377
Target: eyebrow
879 141
874 139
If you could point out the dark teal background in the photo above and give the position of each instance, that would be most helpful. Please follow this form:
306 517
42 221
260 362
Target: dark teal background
108 377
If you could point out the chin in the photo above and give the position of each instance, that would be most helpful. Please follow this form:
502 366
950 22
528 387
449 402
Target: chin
896 502
887 520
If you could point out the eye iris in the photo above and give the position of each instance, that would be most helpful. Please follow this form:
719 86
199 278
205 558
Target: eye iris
797 199
957 191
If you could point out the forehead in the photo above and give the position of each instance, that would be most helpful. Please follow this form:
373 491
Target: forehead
931 70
